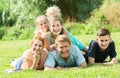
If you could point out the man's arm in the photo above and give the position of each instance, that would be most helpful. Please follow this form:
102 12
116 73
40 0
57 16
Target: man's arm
83 65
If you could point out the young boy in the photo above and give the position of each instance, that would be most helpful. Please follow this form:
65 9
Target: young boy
101 48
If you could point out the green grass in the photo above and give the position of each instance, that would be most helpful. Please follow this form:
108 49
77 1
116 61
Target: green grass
14 49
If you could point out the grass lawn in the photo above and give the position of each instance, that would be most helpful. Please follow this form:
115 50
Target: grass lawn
13 49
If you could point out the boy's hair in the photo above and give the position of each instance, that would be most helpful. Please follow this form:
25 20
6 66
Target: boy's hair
39 17
62 38
103 32
54 8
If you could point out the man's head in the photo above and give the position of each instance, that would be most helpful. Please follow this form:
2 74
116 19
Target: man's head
63 45
103 38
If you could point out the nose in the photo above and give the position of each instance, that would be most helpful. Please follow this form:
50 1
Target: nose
37 47
64 49
103 43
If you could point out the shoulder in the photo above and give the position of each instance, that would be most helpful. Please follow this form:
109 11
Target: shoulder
27 51
93 42
112 43
54 52
74 49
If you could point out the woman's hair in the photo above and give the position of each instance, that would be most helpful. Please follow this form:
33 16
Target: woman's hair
62 38
52 10
103 32
41 39
56 18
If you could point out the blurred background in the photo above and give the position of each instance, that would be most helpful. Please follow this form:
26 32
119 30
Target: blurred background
17 17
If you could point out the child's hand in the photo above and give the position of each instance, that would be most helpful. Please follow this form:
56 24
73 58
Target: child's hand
52 47
45 34
36 55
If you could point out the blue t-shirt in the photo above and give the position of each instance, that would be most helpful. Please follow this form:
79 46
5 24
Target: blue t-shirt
95 51
55 59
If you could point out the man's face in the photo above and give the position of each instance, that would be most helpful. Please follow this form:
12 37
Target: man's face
64 49
104 41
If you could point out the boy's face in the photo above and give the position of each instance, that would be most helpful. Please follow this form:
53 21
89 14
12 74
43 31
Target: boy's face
64 49
104 41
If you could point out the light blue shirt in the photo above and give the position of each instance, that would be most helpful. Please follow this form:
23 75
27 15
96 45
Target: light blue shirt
75 58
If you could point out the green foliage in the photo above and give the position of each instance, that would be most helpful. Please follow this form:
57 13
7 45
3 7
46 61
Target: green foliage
77 10
2 32
14 33
112 13
26 11
27 34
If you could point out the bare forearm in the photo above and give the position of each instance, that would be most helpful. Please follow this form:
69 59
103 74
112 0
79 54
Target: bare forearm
35 64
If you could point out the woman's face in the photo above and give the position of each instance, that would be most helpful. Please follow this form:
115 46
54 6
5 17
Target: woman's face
37 45
55 28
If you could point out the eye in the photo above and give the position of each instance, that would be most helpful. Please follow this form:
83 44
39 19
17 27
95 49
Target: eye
60 47
58 25
102 40
66 46
106 40
53 25
41 24
45 22
35 44
40 45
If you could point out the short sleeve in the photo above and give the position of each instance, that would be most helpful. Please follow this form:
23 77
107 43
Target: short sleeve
79 58
91 50
50 61
26 54
113 51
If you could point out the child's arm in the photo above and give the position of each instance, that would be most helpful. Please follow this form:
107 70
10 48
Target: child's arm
52 47
113 61
91 60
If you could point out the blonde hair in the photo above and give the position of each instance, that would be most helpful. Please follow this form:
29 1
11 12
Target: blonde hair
44 41
62 38
39 19
53 9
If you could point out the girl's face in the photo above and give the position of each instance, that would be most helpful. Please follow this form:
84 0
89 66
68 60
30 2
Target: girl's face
55 27
37 45
43 25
